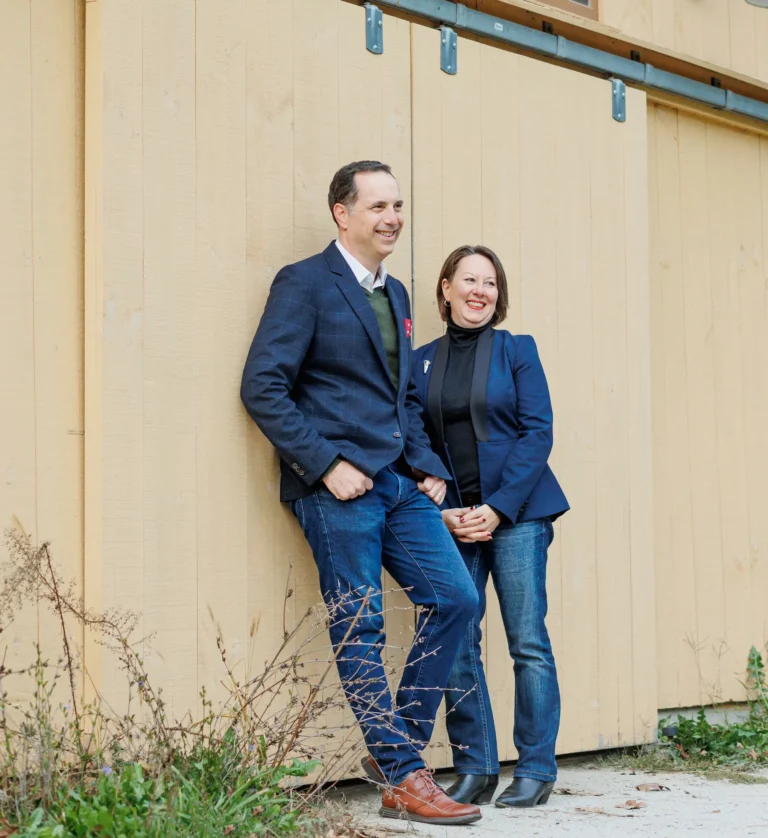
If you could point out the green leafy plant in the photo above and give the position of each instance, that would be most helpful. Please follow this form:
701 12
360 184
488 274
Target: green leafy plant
182 802
113 805
731 743
757 688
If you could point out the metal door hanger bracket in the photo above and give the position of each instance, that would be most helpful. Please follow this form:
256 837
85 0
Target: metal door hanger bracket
374 29
619 94
449 50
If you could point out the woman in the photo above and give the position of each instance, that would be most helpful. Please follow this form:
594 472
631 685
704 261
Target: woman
488 413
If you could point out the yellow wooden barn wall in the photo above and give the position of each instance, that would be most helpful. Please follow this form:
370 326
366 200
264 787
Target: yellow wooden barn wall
41 329
709 315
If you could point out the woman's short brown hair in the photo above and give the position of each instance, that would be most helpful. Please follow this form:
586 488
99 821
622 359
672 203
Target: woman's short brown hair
448 271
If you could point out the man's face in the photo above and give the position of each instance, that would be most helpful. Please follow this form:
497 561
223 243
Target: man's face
370 228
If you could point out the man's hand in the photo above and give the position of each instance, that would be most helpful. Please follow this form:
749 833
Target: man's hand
345 482
477 524
434 488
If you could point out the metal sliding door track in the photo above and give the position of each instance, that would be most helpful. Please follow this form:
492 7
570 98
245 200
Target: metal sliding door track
454 15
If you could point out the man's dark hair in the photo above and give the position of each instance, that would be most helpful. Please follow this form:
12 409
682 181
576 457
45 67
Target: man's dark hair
343 189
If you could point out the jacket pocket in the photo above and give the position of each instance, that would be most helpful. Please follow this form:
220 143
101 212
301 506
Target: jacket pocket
333 429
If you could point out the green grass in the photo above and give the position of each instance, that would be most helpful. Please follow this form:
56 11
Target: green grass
187 799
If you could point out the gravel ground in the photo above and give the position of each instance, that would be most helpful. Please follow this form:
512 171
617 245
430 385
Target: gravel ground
588 803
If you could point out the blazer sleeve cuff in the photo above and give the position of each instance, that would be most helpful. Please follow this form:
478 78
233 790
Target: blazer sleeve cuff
508 507
425 460
502 515
321 464
332 466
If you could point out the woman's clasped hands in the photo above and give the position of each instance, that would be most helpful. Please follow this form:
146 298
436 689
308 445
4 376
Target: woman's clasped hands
472 523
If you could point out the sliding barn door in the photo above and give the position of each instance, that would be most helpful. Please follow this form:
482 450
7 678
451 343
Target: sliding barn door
709 307
526 158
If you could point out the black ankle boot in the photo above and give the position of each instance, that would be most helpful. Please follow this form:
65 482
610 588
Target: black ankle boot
474 788
525 792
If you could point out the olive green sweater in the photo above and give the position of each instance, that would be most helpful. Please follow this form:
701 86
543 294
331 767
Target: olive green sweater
388 327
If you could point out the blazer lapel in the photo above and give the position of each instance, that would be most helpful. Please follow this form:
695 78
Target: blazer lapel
356 297
398 311
478 399
435 389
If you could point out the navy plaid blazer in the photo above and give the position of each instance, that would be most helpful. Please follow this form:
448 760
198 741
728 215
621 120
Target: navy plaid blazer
317 383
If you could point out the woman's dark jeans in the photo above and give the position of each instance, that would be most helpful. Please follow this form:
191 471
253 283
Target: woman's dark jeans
516 559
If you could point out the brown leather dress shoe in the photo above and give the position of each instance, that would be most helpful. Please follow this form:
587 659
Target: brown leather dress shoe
419 798
371 768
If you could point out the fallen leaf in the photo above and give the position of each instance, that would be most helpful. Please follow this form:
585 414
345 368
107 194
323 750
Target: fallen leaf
632 804
653 787
715 811
578 792
228 830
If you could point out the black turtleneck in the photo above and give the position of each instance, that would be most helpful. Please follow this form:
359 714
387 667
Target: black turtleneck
457 420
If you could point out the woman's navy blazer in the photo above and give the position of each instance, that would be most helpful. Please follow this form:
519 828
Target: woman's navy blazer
512 417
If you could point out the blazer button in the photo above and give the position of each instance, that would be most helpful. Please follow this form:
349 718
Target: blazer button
397 434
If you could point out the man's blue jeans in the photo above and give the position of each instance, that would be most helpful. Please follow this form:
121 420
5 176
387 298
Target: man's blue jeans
516 559
397 527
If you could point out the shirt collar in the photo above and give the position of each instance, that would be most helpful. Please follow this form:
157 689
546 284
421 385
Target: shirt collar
362 274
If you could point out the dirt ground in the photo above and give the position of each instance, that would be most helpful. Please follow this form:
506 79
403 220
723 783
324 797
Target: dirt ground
587 804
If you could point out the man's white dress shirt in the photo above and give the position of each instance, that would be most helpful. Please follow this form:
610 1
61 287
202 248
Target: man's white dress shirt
362 274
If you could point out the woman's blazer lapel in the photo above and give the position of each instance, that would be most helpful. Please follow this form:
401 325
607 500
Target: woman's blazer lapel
435 389
478 400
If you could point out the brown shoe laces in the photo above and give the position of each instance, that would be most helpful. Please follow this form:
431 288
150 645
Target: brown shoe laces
432 789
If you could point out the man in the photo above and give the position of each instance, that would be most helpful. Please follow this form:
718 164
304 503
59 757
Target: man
327 381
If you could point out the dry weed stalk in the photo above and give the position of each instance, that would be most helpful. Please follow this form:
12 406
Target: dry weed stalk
292 709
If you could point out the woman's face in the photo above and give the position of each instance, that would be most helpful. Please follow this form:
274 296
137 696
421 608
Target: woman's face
472 292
